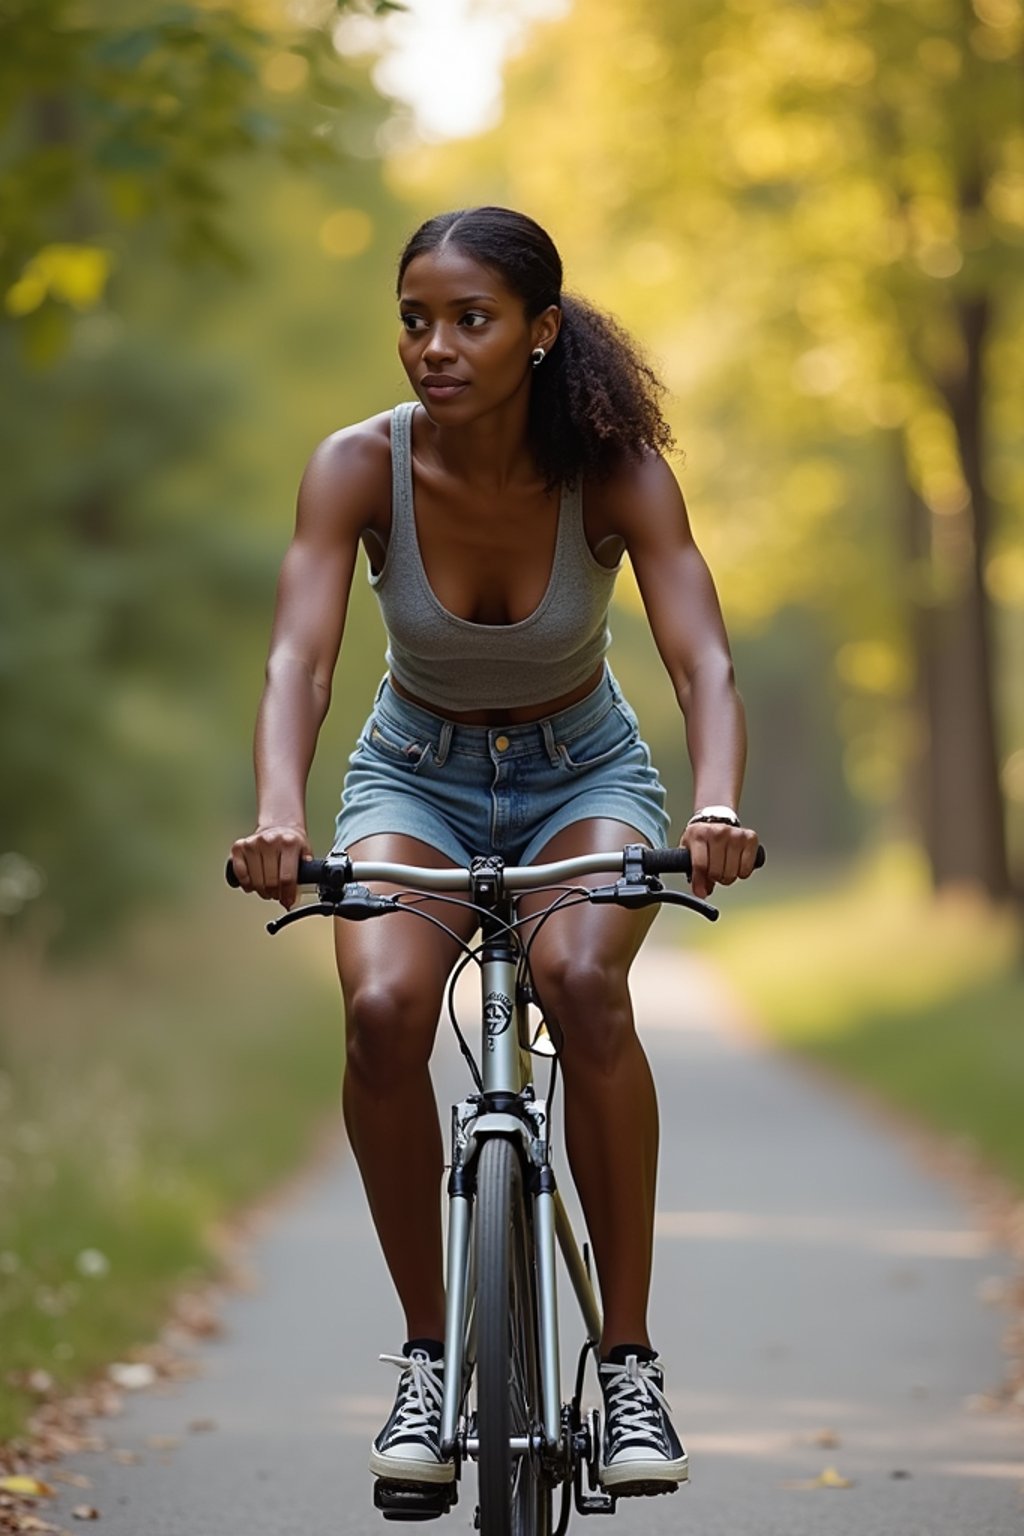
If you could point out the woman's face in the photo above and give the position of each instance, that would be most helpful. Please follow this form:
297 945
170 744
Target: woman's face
465 341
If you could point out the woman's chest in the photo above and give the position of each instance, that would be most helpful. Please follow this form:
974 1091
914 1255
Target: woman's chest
488 559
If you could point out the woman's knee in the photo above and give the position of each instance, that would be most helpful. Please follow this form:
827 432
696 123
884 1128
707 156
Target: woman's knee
389 1029
588 999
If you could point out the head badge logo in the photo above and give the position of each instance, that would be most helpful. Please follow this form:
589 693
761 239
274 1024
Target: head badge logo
497 1013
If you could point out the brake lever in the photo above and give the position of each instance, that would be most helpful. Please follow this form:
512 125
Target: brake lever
356 904
684 899
626 894
310 909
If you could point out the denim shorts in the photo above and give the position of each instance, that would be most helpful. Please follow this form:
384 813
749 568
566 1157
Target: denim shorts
472 790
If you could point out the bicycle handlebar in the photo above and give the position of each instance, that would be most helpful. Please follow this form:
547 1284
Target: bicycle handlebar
318 872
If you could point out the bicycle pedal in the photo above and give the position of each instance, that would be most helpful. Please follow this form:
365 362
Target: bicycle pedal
413 1501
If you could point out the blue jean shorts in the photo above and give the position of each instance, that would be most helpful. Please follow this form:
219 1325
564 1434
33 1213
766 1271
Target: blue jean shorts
472 790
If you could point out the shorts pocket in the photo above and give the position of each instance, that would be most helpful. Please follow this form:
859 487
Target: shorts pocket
391 743
613 734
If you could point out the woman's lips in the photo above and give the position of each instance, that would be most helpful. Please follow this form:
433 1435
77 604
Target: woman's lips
442 388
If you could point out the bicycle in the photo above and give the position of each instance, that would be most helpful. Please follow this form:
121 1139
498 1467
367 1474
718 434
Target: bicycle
505 1214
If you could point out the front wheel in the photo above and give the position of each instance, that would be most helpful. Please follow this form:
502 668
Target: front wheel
515 1497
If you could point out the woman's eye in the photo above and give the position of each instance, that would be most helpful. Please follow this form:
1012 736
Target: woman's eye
474 320
412 322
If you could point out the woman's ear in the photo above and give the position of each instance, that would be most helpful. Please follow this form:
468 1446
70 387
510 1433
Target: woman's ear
546 327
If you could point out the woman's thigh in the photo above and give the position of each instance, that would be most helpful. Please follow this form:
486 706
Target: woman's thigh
580 957
393 969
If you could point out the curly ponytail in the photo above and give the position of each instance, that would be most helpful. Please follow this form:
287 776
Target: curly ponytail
594 399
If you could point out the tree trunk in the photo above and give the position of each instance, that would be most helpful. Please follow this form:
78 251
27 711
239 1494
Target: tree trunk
962 813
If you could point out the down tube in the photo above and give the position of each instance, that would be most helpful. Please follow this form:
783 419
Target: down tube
577 1271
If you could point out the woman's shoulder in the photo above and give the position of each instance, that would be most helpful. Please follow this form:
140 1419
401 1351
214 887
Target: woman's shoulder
363 447
635 488
347 480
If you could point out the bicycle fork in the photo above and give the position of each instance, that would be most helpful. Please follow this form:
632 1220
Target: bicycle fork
508 1107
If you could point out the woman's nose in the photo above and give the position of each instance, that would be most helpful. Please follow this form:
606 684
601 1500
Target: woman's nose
440 346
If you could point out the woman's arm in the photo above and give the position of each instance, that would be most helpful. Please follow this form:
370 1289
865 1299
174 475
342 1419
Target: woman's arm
340 490
646 508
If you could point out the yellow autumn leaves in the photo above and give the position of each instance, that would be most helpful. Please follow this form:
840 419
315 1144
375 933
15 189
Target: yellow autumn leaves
72 274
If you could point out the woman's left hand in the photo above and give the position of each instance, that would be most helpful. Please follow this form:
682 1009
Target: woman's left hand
720 853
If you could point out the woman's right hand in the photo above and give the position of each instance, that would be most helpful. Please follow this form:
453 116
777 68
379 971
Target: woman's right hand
267 861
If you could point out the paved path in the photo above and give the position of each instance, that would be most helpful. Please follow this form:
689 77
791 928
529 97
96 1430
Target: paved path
811 1283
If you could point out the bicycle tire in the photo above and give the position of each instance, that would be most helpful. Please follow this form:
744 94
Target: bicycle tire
515 1496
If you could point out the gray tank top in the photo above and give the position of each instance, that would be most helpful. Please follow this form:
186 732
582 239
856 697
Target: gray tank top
456 664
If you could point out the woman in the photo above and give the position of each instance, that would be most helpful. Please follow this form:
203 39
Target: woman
494 512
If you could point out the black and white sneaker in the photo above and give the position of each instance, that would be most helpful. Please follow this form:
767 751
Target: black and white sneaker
408 1448
640 1451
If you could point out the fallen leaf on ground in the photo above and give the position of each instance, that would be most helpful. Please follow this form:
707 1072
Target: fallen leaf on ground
828 1439
26 1487
33 1523
829 1478
132 1375
198 1317
73 1479
199 1426
85 1512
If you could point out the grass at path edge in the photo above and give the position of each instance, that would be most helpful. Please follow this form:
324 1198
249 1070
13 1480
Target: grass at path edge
143 1100
920 1000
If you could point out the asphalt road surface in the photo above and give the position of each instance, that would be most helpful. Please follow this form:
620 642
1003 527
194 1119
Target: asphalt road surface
822 1302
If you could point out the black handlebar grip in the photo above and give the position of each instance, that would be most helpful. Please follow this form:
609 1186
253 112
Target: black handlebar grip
676 861
311 872
666 861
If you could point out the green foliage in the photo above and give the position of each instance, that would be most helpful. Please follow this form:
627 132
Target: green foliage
117 582
151 464
797 205
116 116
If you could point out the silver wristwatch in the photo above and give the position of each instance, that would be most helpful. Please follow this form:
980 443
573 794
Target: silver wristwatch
717 813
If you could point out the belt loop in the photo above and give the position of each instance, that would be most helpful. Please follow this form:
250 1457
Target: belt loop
444 743
549 742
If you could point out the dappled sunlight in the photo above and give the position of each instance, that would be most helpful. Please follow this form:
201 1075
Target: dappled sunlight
831 1231
358 1415
1012 1469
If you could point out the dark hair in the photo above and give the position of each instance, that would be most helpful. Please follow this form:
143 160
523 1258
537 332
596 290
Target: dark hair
594 399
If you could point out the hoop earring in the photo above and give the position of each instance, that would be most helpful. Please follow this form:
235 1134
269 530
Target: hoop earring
537 356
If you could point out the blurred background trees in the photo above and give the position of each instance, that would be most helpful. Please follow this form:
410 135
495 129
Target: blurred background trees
184 194
813 215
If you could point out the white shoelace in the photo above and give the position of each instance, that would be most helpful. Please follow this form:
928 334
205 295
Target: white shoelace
634 1397
420 1395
